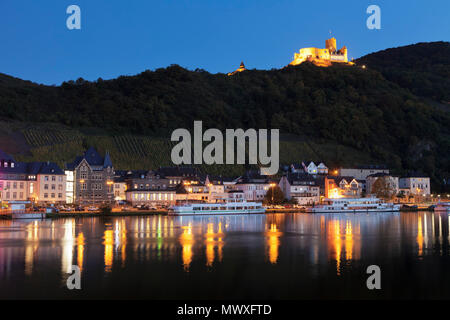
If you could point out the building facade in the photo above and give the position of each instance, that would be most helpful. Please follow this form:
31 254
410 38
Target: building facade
362 172
40 183
342 187
415 184
253 185
300 187
93 178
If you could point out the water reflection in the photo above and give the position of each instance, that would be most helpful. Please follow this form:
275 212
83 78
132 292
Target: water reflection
273 242
328 242
213 240
187 241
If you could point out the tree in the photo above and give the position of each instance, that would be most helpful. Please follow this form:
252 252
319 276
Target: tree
383 188
274 196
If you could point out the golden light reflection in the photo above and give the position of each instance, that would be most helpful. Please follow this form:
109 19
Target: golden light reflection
211 243
343 242
420 236
348 241
273 242
80 250
123 240
109 245
336 235
187 241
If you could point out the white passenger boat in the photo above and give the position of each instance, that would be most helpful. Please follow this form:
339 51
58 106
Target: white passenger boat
28 215
234 204
215 208
442 207
354 205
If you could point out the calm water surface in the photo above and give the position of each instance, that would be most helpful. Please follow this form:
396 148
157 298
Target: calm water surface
274 256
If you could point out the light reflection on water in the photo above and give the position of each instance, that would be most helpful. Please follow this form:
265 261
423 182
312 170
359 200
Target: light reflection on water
203 244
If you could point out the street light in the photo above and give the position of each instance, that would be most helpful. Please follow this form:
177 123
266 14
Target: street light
272 187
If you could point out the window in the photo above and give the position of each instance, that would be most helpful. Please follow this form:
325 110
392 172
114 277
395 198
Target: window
14 185
14 195
21 195
53 195
21 185
60 195
60 178
45 186
53 187
46 178
46 195
53 178
84 186
60 187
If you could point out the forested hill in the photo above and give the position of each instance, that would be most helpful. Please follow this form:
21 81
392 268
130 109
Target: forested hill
379 110
424 68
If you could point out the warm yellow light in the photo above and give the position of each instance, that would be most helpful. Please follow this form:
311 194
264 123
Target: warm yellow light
334 194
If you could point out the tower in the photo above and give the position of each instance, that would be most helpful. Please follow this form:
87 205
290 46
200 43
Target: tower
331 45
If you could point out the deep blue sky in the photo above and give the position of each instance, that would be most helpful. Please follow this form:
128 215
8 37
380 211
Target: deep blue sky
127 37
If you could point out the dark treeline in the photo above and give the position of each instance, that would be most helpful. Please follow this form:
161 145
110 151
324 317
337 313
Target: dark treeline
379 110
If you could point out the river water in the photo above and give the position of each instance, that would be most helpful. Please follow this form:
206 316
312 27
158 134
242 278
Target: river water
273 256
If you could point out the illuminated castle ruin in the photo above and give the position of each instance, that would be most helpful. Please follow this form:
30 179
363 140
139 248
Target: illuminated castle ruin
322 57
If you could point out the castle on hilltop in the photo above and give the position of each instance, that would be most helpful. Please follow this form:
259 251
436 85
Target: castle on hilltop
322 57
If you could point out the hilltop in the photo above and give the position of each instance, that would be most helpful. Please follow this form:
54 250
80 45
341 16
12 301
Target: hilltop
394 111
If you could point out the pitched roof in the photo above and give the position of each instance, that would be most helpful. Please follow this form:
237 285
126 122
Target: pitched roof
33 168
300 178
93 158
178 171
338 179
5 157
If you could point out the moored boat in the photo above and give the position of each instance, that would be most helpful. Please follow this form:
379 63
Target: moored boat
28 215
343 205
234 204
442 207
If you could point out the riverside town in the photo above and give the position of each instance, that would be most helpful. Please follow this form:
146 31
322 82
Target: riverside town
91 185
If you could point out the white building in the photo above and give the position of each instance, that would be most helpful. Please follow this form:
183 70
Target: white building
253 185
415 184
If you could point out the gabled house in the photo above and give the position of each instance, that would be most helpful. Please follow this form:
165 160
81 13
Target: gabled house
253 185
33 182
301 187
342 187
415 184
309 167
93 178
